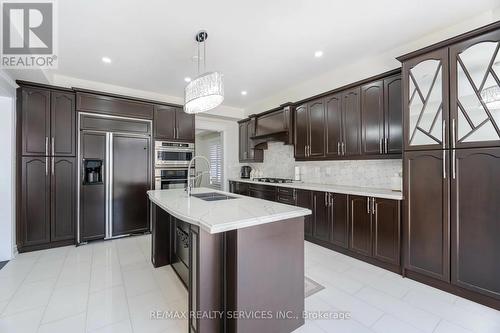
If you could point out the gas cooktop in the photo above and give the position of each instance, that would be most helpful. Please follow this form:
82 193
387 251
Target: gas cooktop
273 180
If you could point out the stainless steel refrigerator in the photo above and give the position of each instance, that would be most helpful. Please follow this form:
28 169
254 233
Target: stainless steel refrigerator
115 174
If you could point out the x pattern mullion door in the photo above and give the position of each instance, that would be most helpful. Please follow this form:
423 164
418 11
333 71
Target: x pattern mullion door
476 94
426 108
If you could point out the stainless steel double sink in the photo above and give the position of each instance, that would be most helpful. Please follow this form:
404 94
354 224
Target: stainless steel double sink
212 196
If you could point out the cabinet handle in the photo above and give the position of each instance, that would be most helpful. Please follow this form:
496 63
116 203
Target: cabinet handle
386 145
46 165
444 164
454 162
373 206
331 199
368 205
453 138
46 145
444 134
52 165
338 148
52 144
326 199
343 148
380 146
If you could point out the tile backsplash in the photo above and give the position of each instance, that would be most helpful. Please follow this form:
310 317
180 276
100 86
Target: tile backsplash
279 162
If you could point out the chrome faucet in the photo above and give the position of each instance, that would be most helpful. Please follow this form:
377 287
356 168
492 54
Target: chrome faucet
189 180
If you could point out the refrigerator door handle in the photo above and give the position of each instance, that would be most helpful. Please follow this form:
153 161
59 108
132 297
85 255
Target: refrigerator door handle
109 226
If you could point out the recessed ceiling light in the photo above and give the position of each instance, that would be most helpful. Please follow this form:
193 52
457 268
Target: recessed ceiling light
187 79
106 60
244 92
318 54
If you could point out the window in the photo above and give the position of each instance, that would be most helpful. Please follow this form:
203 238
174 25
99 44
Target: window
215 157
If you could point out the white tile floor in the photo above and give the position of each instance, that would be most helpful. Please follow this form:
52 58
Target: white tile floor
111 287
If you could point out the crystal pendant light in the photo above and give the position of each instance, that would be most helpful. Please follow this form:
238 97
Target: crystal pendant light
207 90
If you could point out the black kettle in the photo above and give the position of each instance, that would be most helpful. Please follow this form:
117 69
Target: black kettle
245 172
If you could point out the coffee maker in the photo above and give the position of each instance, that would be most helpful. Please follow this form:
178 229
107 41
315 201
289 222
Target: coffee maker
245 172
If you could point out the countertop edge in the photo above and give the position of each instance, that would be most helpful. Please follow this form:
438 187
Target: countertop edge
244 223
368 192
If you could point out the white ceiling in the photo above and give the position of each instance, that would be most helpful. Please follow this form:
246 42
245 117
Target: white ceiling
261 46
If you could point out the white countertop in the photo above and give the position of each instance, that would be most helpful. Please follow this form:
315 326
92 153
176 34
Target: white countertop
342 189
223 215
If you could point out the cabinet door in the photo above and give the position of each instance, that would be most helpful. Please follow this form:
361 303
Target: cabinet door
333 117
339 217
164 122
35 201
63 124
475 223
316 129
131 180
372 118
386 230
425 101
250 133
63 198
474 92
301 131
243 145
361 225
321 222
352 122
35 118
393 114
304 200
185 125
426 228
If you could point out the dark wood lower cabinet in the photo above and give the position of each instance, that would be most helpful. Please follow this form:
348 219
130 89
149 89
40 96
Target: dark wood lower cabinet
426 229
63 198
321 223
386 230
304 200
475 221
361 225
338 214
47 202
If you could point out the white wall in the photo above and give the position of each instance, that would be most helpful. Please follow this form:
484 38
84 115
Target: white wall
7 167
229 131
370 66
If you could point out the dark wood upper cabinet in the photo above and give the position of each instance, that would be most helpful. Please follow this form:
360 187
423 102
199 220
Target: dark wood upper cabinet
321 222
338 214
372 115
172 123
271 123
164 119
475 225
386 230
63 124
247 152
63 198
316 122
35 119
474 84
393 115
34 228
113 105
185 125
426 213
301 135
360 224
243 141
304 200
351 122
425 101
333 125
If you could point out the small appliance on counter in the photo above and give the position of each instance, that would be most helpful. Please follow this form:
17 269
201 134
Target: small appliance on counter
245 172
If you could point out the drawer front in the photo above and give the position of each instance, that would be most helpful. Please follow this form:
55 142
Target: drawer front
286 191
286 199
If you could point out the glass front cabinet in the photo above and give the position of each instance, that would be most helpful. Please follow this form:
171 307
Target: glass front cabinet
475 92
452 96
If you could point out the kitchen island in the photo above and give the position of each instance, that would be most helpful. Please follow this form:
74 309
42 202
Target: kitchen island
241 258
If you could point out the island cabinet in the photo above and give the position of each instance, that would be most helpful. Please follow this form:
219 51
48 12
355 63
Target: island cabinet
375 227
46 166
172 123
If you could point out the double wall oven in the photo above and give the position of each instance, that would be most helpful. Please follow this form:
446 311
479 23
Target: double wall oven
171 164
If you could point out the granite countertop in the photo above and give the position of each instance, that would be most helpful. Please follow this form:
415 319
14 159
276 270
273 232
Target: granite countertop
343 189
223 215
